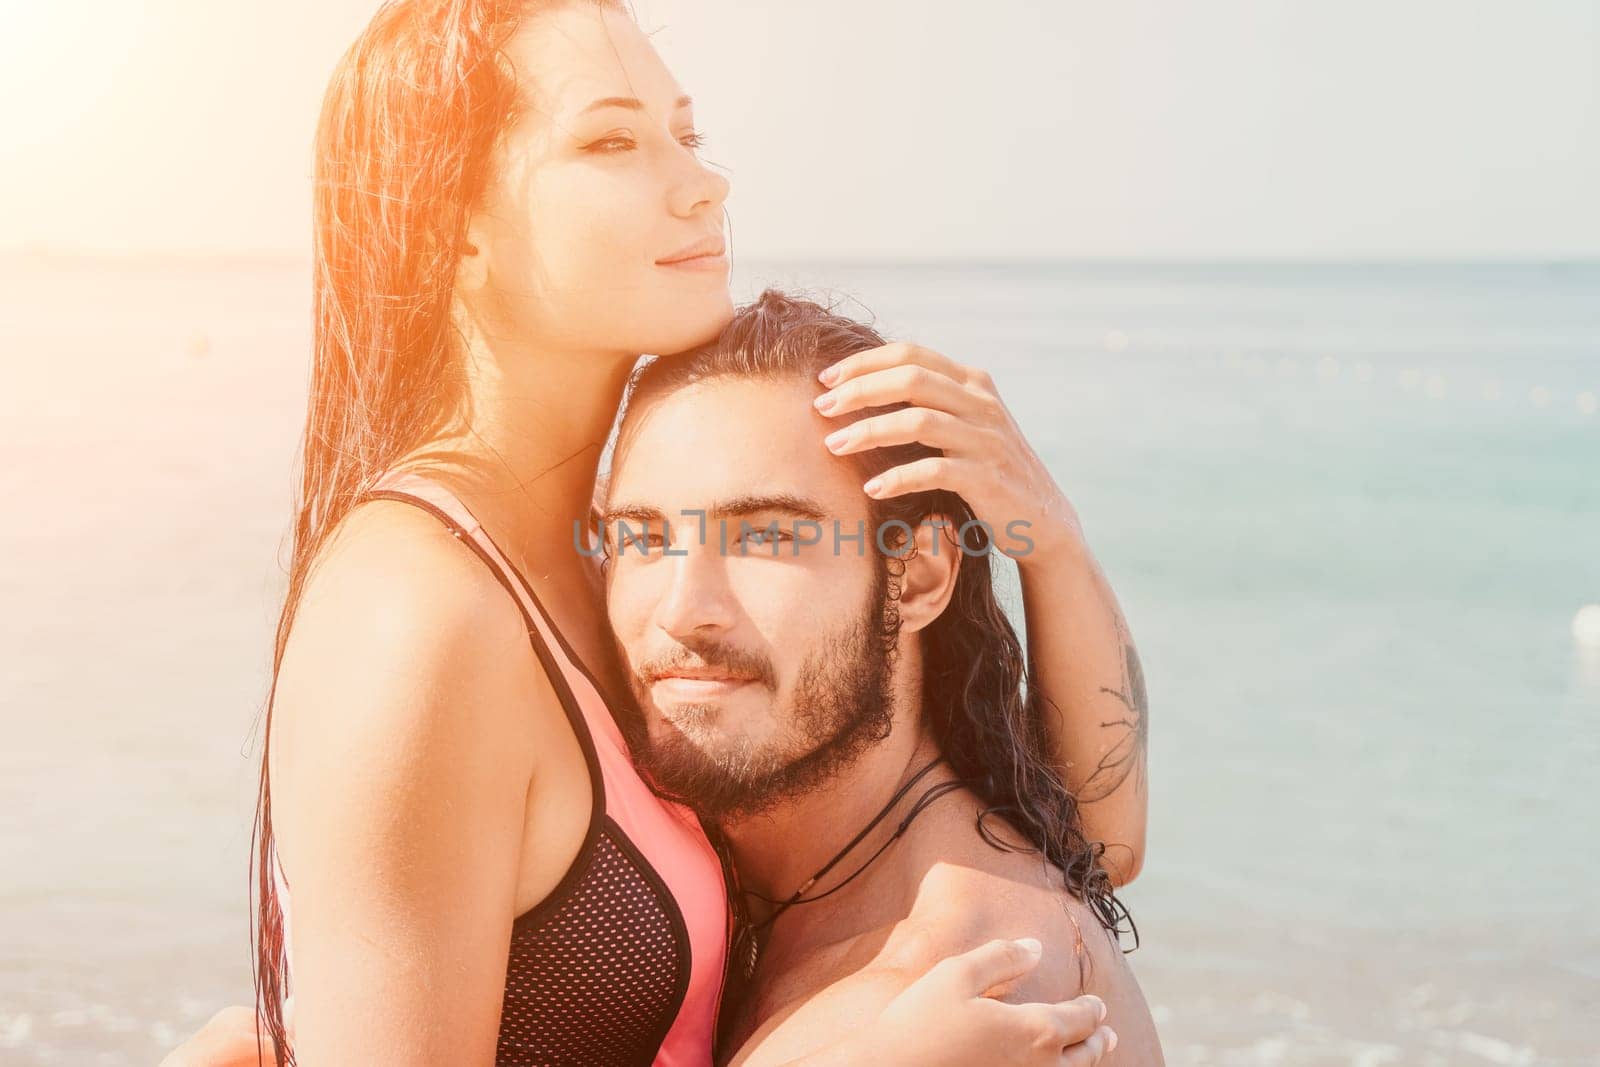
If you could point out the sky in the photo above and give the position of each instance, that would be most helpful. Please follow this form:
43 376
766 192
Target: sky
881 129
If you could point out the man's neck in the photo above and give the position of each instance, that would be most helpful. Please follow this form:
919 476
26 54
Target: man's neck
777 851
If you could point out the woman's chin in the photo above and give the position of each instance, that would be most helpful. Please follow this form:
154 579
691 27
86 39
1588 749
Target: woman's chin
692 324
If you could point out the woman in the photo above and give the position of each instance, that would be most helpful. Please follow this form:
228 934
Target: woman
510 209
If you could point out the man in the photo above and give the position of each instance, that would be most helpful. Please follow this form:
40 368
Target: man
800 652
829 680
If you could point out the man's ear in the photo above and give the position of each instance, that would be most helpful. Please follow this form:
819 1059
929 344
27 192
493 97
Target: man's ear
930 572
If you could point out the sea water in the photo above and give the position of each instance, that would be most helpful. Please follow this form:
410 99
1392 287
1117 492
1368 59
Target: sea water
1350 511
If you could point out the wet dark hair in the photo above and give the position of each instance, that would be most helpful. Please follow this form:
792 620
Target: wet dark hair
990 725
405 149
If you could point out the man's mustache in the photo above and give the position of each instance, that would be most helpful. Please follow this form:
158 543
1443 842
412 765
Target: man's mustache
708 656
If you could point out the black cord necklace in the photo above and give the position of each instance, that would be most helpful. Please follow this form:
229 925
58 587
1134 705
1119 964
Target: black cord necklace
747 943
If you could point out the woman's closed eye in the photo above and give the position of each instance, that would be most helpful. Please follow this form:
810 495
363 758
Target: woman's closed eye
616 143
623 143
692 140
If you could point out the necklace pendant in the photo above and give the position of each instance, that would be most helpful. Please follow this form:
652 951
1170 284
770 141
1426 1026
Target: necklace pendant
752 954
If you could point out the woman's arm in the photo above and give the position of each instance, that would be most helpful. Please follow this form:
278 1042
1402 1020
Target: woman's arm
1086 669
941 1018
400 774
1081 656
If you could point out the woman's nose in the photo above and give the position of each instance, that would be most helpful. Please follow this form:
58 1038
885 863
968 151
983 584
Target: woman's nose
701 189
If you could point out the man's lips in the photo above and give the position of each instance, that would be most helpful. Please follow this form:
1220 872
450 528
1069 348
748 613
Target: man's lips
696 686
689 683
712 676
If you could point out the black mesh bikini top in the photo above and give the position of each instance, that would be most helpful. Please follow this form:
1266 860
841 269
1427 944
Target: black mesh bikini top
623 964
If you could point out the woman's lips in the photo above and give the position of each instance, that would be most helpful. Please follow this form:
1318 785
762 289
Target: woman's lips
708 253
717 261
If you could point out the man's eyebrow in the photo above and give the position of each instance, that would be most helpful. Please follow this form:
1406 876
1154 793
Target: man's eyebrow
732 508
752 503
631 103
640 513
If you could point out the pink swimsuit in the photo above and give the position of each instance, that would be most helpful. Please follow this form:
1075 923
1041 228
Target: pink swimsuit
624 962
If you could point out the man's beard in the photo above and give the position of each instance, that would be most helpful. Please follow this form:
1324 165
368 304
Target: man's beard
842 706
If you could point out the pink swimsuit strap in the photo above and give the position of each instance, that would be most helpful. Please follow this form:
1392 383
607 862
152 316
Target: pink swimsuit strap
661 844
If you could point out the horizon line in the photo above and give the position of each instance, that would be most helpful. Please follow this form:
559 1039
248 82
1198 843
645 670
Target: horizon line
267 256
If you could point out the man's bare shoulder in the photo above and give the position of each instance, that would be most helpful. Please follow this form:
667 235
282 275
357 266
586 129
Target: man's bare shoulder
957 907
962 904
1014 895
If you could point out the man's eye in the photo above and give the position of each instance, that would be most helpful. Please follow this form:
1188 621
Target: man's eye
766 536
632 543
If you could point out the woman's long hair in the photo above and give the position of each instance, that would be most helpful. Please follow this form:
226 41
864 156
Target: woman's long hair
990 725
405 147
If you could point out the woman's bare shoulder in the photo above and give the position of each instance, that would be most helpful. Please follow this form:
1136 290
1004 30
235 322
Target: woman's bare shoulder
402 749
406 645
395 556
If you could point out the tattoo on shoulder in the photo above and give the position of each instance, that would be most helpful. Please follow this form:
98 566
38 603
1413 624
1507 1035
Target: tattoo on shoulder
1127 756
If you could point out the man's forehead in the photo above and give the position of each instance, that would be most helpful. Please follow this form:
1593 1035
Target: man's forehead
730 440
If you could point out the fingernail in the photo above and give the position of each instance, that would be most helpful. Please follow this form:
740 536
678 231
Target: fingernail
1030 945
829 375
1111 1040
871 489
1099 1007
825 402
836 439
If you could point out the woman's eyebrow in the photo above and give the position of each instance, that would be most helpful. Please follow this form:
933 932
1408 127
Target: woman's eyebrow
631 103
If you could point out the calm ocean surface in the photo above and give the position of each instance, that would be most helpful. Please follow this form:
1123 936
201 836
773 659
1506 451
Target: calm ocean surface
1351 512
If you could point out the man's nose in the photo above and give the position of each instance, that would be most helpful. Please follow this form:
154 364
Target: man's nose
697 599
